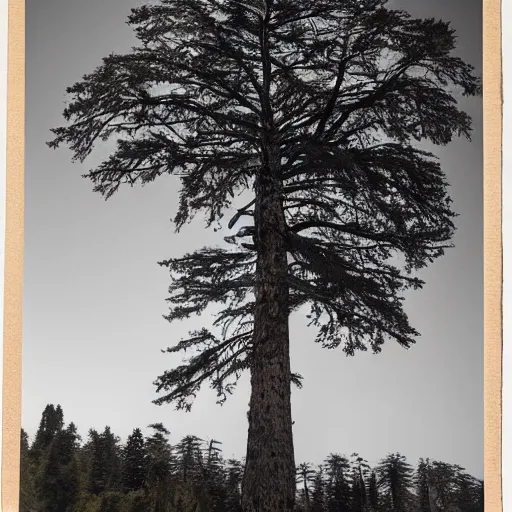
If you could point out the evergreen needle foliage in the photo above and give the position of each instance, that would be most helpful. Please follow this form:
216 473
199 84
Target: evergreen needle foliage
193 476
314 109
353 86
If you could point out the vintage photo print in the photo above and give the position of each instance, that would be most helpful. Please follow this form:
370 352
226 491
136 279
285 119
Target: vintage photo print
253 262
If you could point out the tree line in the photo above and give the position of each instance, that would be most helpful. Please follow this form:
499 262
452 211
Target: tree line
60 472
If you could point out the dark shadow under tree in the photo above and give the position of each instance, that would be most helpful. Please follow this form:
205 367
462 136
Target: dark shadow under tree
315 108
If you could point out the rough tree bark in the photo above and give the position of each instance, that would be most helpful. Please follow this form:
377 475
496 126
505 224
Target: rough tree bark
269 477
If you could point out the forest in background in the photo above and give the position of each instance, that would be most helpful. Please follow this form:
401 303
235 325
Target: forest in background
60 472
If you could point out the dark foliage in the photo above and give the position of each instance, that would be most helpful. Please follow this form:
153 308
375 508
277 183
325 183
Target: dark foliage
193 476
315 110
354 85
134 460
395 481
104 462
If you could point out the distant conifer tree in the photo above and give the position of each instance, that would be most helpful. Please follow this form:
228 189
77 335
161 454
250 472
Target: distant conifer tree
234 472
57 482
104 472
395 479
214 476
338 495
305 478
28 497
159 464
134 460
318 492
421 483
360 471
373 493
52 422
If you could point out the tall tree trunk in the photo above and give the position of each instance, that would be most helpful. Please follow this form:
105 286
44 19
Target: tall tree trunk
269 478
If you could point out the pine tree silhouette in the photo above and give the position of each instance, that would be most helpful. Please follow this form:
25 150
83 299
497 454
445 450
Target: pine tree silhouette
313 109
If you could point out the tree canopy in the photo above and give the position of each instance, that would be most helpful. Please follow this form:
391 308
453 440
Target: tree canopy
354 86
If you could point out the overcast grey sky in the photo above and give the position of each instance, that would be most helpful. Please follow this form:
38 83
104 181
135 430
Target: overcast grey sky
94 295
